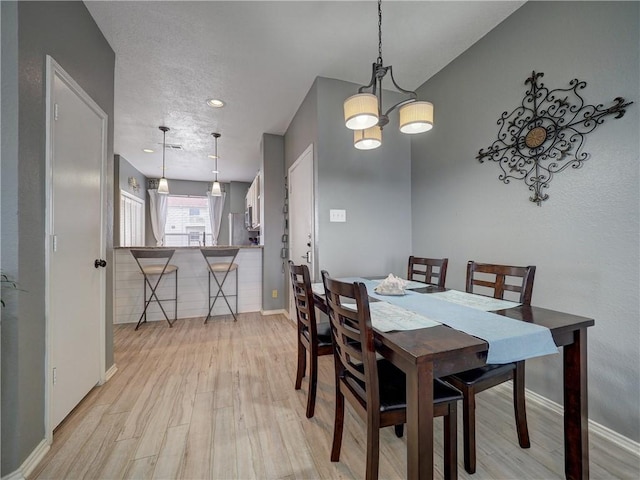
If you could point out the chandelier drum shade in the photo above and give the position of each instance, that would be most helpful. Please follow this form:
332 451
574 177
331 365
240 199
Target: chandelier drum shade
416 117
367 139
163 185
361 111
364 111
216 189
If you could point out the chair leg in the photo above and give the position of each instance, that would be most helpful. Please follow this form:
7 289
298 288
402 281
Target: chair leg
235 319
302 364
373 448
451 443
519 406
338 424
313 382
176 304
209 295
399 429
469 427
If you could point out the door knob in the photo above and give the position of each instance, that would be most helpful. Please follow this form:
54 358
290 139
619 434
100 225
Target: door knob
100 263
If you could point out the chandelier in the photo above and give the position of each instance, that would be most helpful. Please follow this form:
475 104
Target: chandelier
216 191
163 185
363 112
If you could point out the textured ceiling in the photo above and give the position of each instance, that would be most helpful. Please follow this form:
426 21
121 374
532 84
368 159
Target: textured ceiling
261 58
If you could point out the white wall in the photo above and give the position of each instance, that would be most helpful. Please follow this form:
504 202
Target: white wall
584 240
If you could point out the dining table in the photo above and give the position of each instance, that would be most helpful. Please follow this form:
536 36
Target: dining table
438 351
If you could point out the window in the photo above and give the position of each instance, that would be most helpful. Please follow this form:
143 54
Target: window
131 220
187 221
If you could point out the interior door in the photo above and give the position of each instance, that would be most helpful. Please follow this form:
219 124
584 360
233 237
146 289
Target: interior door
301 217
76 282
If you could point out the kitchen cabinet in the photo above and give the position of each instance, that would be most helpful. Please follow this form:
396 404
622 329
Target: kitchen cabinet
253 203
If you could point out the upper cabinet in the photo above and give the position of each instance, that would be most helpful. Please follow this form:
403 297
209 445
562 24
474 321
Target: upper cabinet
253 203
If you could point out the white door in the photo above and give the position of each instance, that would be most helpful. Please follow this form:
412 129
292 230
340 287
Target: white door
301 217
75 285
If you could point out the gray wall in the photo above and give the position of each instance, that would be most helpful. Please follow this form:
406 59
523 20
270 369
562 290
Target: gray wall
66 31
272 221
123 170
374 187
10 333
584 239
237 195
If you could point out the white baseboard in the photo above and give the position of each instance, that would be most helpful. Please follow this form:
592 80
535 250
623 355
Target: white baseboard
594 427
30 463
275 312
110 373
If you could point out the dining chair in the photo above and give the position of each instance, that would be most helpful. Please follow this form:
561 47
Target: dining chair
422 270
374 387
311 337
493 279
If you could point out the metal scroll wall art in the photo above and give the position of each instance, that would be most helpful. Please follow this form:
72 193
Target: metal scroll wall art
544 135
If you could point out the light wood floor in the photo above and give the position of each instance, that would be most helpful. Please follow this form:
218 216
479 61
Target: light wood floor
217 401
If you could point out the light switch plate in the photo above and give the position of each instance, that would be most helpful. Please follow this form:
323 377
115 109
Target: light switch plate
337 215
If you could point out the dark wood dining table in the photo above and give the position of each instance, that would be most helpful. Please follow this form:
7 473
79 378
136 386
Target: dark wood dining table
433 352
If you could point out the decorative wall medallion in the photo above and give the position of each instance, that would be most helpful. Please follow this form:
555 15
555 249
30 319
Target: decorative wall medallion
545 134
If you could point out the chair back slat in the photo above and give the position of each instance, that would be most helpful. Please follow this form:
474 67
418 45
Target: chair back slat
305 308
501 278
424 270
352 335
215 252
166 253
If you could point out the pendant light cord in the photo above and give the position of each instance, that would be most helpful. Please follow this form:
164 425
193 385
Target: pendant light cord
164 148
216 154
380 32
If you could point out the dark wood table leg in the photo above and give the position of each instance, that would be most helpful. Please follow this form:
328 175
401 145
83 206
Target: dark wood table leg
576 424
420 422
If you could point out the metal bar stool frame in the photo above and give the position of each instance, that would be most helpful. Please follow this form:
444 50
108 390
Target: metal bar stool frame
159 254
232 253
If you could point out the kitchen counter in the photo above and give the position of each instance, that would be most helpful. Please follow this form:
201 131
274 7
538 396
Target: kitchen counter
193 247
192 284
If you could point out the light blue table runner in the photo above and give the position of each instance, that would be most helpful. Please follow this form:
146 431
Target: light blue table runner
509 340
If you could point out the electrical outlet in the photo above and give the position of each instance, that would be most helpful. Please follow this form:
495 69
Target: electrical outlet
274 294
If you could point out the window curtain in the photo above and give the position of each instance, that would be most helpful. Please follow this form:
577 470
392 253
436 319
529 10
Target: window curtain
158 206
216 204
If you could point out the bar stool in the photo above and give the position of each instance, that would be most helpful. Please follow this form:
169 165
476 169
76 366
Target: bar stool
153 268
221 260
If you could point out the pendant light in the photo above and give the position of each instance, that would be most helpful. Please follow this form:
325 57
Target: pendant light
363 111
163 185
216 190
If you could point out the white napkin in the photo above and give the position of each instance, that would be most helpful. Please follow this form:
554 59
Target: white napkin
391 285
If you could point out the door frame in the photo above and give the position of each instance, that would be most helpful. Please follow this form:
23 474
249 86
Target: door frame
314 264
53 70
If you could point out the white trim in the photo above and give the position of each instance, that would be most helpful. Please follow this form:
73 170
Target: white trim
594 428
53 69
282 311
291 312
110 373
30 463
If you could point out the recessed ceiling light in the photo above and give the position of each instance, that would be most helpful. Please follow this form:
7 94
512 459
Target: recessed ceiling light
212 156
215 171
147 150
215 103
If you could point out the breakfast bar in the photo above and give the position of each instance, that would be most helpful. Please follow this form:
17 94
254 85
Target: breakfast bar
192 285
